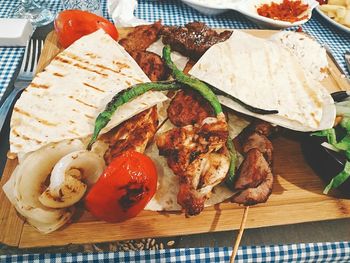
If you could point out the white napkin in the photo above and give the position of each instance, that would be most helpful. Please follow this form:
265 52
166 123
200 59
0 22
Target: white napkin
122 13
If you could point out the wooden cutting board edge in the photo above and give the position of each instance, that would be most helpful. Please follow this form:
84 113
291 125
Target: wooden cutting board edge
223 217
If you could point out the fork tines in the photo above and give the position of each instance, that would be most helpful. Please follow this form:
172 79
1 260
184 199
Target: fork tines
30 59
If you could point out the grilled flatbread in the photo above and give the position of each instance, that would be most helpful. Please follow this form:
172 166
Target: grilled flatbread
264 74
63 101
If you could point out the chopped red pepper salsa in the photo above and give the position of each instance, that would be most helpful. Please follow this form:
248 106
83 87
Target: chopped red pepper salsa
285 11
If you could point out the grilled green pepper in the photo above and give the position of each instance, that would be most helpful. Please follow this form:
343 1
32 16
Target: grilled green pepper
191 82
210 96
123 97
230 178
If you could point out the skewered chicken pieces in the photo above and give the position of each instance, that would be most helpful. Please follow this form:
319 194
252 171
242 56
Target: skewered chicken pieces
198 155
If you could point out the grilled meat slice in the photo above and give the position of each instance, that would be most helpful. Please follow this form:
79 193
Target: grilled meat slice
193 39
133 134
257 126
190 200
178 146
198 155
202 175
259 194
262 127
261 143
151 64
188 108
141 37
253 171
255 178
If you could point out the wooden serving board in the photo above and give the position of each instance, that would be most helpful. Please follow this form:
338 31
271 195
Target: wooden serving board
297 197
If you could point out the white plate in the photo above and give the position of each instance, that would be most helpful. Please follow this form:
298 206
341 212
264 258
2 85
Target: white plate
210 9
330 20
248 9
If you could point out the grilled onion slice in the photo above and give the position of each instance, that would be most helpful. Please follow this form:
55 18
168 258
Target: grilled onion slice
70 178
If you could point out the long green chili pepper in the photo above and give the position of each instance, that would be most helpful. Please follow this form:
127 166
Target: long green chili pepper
231 172
123 97
192 82
209 95
204 89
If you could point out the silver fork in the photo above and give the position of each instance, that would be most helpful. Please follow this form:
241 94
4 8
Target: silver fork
26 74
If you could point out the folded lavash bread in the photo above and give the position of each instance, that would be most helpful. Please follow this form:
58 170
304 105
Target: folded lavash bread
63 100
264 74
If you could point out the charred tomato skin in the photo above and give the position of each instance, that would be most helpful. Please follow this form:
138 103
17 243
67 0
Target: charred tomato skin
124 188
70 25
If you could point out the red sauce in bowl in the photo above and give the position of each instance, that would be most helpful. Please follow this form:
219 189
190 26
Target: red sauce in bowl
286 11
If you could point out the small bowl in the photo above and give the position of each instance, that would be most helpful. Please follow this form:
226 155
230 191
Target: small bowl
249 9
207 8
325 162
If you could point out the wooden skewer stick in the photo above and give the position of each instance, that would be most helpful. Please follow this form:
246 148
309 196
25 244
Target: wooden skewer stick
240 234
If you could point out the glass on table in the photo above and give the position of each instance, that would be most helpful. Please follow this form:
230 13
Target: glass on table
34 11
93 6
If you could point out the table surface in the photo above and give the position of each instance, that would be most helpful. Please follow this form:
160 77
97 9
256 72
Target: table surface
327 231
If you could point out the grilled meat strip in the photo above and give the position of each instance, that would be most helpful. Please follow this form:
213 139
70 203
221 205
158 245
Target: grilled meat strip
188 108
262 127
255 195
261 143
255 178
141 37
136 43
193 39
198 155
133 134
251 176
201 176
151 64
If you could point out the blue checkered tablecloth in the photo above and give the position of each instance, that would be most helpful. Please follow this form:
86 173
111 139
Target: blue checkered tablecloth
312 252
174 12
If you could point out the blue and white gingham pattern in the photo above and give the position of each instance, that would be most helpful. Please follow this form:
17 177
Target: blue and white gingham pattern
174 12
313 252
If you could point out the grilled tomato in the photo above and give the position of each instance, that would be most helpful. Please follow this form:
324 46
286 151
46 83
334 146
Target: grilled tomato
70 25
124 188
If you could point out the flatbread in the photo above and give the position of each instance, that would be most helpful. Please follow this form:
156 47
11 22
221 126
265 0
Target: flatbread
311 56
63 101
264 74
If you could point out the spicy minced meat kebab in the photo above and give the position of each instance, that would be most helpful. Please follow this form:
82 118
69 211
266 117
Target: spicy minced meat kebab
188 108
136 43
